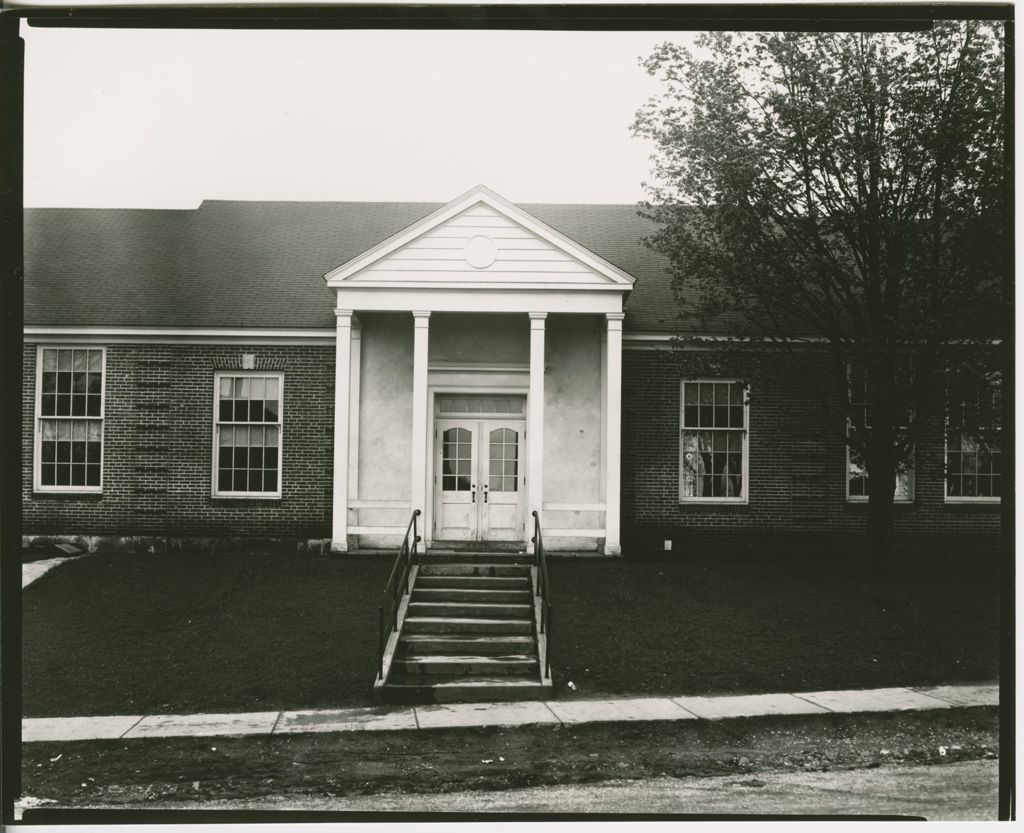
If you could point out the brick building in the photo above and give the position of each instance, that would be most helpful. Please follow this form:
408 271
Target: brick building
310 373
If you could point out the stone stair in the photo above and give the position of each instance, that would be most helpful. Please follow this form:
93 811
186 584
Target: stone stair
468 633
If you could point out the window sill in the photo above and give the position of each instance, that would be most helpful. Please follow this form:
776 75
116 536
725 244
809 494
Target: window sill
972 501
863 501
714 502
242 496
68 491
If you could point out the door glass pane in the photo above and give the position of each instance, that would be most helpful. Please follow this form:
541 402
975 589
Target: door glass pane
504 452
456 459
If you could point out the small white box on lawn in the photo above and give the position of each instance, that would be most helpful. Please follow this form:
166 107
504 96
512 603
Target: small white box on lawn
668 545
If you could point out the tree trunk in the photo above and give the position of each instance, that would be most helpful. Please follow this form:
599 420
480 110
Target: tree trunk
881 466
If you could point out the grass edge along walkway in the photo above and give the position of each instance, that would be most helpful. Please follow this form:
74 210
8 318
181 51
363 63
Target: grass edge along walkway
456 715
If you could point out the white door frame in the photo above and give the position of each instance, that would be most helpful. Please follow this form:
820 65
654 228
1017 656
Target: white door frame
481 427
483 389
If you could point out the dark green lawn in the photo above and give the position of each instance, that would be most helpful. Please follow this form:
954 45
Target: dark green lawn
131 634
759 625
122 634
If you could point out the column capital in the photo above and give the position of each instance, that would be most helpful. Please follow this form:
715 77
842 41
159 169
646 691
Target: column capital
615 320
537 320
421 317
344 316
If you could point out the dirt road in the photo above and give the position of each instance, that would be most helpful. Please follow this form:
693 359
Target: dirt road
949 792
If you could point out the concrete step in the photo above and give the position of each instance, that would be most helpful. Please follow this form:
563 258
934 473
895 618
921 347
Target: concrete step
501 610
479 666
476 548
474 582
473 569
461 594
441 557
465 625
457 689
489 645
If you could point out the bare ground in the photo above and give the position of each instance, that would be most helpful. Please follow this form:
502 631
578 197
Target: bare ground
194 771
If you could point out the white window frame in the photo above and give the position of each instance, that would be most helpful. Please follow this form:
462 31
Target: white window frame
961 499
911 480
902 499
214 457
37 461
744 497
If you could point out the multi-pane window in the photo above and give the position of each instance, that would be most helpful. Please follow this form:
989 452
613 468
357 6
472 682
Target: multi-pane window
504 460
973 453
476 404
70 419
456 460
248 434
713 441
856 469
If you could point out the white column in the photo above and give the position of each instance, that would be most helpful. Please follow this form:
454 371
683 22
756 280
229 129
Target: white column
613 445
420 428
535 424
342 405
353 424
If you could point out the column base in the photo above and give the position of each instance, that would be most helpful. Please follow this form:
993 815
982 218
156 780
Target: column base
612 549
339 544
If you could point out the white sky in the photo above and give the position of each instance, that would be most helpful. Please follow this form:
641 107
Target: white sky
165 118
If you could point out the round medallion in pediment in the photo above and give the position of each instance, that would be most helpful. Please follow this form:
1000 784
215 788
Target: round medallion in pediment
480 252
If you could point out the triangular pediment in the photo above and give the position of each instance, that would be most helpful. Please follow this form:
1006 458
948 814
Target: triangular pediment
480 239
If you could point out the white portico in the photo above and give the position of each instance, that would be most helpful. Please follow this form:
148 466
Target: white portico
478 379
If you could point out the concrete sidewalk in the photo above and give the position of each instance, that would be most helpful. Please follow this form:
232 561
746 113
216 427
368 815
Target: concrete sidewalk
32 570
457 715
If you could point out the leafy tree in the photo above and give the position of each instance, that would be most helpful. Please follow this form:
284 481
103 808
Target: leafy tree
841 195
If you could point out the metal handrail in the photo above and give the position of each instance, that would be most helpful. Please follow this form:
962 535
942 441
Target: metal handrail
397 586
543 590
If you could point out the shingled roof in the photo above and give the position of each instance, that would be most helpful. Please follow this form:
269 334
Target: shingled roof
261 264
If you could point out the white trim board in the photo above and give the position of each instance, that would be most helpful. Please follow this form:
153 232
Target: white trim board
580 299
178 335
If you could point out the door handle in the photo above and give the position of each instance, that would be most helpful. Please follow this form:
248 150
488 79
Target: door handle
486 485
472 491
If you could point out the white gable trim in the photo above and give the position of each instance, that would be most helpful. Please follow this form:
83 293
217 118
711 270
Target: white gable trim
482 194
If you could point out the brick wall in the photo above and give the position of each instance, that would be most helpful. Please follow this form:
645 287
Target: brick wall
796 465
158 435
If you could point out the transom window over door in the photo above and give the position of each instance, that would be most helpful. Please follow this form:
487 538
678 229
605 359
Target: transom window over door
713 441
69 409
464 404
248 435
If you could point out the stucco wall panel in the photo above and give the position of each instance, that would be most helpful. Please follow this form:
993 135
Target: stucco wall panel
573 519
385 409
467 338
572 409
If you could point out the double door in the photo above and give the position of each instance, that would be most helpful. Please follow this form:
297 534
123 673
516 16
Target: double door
479 480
